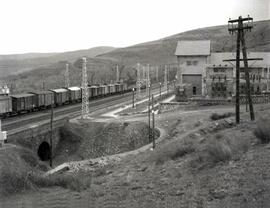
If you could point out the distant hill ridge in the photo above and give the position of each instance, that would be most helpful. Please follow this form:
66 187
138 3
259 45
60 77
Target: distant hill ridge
18 63
101 64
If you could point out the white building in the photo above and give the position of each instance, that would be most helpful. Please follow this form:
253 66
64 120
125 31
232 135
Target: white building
208 74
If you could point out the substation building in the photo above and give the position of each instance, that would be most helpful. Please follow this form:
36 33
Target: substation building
208 75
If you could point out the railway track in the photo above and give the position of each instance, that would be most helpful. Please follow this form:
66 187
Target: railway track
20 123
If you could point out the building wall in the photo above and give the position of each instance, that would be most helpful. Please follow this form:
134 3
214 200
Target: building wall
192 69
219 81
259 73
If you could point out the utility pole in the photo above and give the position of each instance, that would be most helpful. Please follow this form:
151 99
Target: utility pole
160 90
51 135
165 78
157 73
149 116
117 73
148 81
138 91
133 106
153 123
67 82
240 25
85 95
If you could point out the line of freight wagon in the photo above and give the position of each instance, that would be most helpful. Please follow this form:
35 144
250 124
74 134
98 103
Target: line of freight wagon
11 105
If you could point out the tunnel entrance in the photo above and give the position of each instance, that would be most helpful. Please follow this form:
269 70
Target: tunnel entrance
44 151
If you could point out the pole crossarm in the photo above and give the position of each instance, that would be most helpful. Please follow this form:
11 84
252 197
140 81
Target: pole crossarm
249 59
243 19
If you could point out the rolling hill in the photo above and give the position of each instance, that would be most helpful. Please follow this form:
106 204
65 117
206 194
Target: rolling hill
18 63
162 51
159 52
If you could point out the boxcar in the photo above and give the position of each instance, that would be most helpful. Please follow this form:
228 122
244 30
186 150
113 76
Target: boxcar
117 88
99 91
111 88
44 98
5 106
93 91
104 90
60 96
75 94
89 92
23 102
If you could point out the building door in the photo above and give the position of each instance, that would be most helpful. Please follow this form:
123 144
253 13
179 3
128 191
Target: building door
195 80
194 90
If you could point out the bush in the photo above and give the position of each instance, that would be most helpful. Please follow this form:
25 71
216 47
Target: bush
219 151
13 181
171 151
224 148
262 130
216 116
77 182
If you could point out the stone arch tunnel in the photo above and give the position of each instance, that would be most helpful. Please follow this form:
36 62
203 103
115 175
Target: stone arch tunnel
37 138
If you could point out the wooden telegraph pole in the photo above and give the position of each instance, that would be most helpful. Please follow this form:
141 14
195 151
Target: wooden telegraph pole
241 25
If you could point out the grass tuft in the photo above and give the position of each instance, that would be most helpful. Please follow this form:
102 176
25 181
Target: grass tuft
171 151
262 130
216 116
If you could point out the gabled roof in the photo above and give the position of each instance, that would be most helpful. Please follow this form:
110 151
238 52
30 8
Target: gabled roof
193 48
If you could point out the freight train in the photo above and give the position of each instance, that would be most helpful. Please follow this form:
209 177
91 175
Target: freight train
38 100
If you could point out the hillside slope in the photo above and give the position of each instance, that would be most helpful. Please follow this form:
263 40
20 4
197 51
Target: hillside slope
18 63
102 67
162 51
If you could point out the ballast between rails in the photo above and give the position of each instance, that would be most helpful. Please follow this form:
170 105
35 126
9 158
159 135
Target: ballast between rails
12 105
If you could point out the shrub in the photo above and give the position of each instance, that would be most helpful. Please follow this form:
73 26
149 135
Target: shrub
216 116
13 181
77 182
224 148
262 130
171 151
219 151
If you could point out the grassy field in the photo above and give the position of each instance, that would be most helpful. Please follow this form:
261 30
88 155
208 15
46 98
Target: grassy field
199 162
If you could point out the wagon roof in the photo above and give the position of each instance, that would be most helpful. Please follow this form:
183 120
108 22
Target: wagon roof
3 97
59 90
41 92
22 95
94 87
74 88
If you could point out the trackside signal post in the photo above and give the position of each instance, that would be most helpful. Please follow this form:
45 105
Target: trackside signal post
239 26
3 136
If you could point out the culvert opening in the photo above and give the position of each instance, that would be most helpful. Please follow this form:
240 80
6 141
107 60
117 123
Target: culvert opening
44 151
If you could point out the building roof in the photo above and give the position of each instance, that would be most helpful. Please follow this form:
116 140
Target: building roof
193 48
4 97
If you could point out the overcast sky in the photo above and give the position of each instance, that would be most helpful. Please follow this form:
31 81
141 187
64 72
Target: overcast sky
64 25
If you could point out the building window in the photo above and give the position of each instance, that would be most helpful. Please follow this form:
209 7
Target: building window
195 63
188 63
192 63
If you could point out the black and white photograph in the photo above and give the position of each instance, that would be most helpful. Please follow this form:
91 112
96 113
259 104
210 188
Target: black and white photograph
135 104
